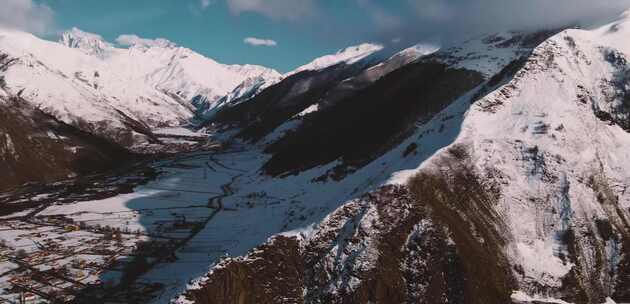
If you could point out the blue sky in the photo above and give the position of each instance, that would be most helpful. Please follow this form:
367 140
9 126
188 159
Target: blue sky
296 31
216 29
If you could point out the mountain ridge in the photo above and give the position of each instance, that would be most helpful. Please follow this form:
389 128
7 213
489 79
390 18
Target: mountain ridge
152 85
526 203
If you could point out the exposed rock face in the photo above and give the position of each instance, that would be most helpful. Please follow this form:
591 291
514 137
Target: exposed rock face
368 252
273 273
614 105
465 202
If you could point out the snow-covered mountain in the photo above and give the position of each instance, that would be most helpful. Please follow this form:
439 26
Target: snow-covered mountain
499 174
363 55
264 106
89 43
167 66
254 71
118 93
259 80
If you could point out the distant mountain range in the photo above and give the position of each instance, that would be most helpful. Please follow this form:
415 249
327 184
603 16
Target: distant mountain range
87 82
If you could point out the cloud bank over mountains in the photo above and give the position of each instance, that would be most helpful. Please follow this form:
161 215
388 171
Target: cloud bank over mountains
26 15
446 19
451 18
400 22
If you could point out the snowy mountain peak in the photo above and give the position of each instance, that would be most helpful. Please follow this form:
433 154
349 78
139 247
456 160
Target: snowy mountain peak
621 23
348 55
91 44
133 41
418 51
361 50
255 71
113 91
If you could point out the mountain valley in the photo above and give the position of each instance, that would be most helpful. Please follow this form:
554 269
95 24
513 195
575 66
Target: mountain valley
491 170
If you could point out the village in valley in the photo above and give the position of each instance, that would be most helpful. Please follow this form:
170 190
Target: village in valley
97 246
57 257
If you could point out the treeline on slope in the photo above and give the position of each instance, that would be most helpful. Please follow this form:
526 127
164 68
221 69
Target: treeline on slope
364 121
36 147
275 105
362 126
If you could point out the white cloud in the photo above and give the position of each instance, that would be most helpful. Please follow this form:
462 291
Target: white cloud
26 15
134 40
456 17
276 9
259 42
205 3
383 19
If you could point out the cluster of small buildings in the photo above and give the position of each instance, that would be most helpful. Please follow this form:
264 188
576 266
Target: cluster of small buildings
55 258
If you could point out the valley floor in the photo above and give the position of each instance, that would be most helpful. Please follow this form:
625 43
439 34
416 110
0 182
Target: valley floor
147 234
148 239
177 224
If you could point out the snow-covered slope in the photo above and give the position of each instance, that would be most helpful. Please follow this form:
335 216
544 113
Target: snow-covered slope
348 55
488 54
89 43
169 67
556 141
254 71
263 106
265 79
259 79
87 82
366 71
